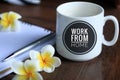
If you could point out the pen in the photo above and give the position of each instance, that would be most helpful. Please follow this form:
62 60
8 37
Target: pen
5 72
30 46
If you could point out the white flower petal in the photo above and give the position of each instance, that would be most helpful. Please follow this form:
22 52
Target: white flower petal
48 48
37 76
49 69
17 15
18 67
57 61
33 54
6 29
17 26
20 77
31 65
36 63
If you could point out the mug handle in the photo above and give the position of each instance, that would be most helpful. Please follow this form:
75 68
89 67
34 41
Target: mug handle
116 33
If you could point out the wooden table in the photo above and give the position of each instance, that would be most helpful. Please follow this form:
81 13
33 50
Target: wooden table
105 67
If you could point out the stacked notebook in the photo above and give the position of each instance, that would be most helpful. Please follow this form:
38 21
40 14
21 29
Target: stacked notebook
13 42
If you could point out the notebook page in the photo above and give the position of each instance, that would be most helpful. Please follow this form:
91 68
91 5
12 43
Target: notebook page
12 41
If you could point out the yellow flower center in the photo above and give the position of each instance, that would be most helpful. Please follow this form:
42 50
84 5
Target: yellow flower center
8 19
46 60
30 74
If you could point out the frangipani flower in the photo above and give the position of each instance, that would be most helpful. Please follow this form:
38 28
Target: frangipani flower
26 71
46 60
9 21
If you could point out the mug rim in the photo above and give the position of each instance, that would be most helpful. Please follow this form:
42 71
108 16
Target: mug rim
81 2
